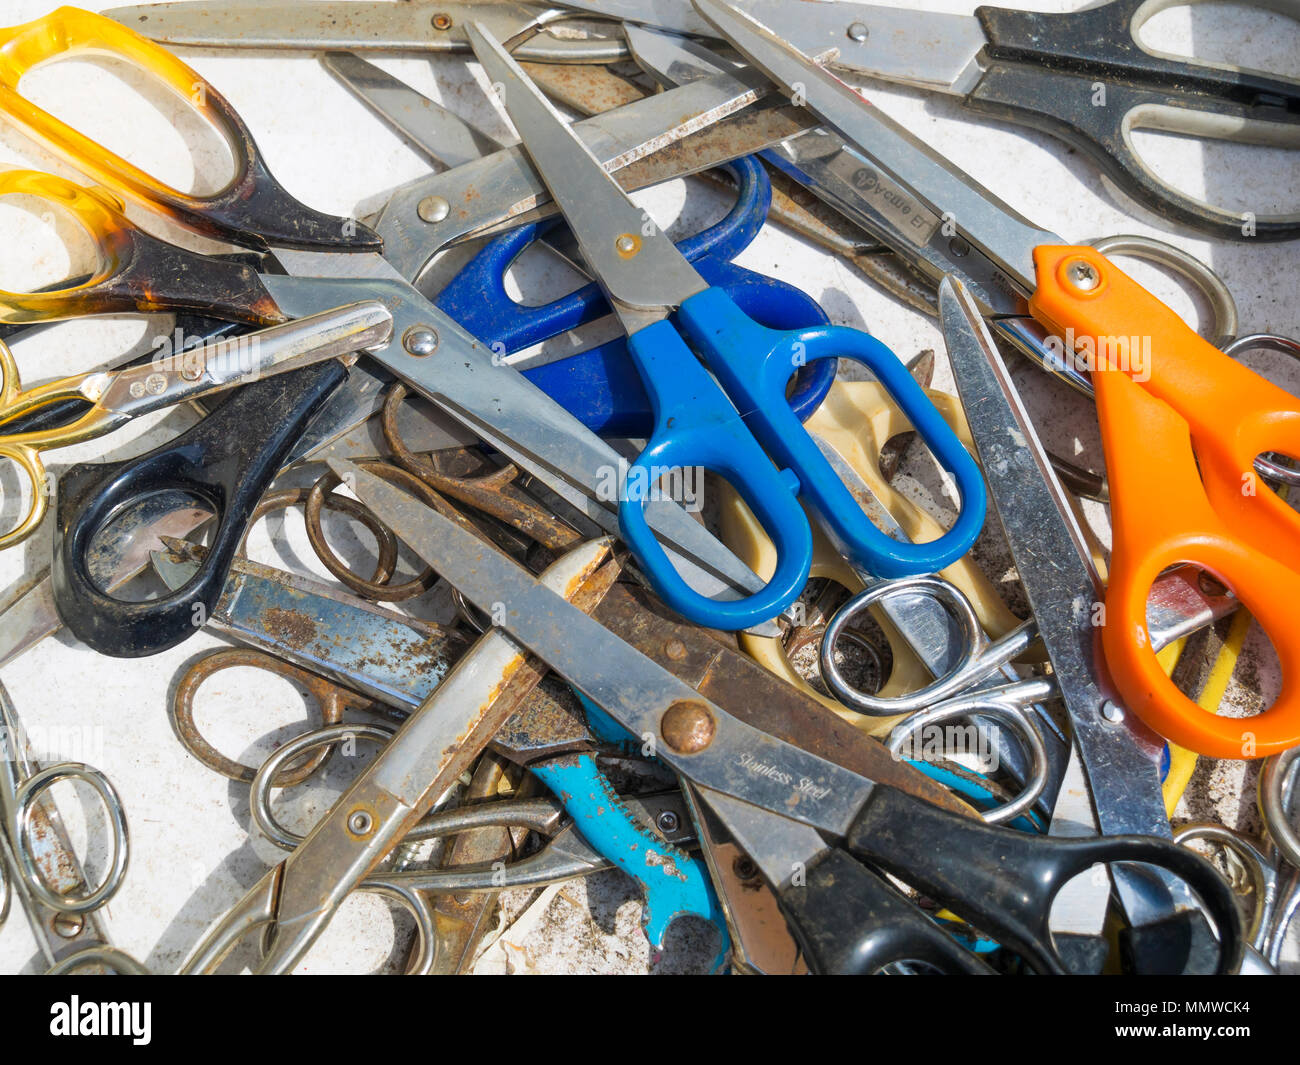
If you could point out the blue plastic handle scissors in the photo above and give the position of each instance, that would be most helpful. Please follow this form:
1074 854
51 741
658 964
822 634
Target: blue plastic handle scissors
601 386
730 420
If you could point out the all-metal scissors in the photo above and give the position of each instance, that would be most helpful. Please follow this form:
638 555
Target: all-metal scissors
1161 389
38 863
730 424
1045 70
114 397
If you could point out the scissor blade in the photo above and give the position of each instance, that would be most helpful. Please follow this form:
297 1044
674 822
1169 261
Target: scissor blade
444 137
645 698
639 268
975 213
322 25
505 410
1055 567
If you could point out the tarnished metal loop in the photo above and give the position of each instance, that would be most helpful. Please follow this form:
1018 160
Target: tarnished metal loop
1272 466
379 586
332 699
119 961
263 782
26 797
1277 786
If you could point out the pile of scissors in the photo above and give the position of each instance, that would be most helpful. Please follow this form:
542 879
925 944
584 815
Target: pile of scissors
810 720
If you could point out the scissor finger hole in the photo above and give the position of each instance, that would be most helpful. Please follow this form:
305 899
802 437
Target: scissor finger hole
71 802
133 531
1229 668
346 739
58 251
20 496
135 114
379 931
380 585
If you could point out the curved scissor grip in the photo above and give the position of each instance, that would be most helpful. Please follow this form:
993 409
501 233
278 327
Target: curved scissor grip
1004 882
696 425
1166 392
601 386
1046 70
253 210
226 461
754 364
136 271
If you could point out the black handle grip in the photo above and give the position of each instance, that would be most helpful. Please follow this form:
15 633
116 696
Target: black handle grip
226 461
848 921
1003 881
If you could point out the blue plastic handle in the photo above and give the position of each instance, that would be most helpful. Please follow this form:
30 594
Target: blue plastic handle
753 365
696 425
601 387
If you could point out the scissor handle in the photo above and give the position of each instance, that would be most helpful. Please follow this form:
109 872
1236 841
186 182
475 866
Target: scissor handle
253 210
28 794
1046 70
136 271
226 462
1208 418
1004 882
601 387
696 425
849 922
754 364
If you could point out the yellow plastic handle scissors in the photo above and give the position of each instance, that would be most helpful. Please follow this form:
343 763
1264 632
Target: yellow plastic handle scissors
117 396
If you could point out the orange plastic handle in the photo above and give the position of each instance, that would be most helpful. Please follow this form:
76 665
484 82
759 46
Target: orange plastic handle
1181 425
254 210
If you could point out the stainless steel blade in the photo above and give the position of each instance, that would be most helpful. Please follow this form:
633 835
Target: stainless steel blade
640 269
410 26
695 736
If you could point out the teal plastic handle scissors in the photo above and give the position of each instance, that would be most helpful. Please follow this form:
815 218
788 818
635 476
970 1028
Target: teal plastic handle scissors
717 382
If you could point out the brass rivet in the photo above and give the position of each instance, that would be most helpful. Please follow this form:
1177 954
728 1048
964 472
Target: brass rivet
687 727
441 22
675 649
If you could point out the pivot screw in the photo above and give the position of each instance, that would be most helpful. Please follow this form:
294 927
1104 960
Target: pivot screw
688 727
360 822
667 822
1083 275
441 22
858 31
1112 711
627 245
420 340
433 209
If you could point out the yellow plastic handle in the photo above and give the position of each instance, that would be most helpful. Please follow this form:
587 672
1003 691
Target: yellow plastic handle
24 456
100 214
252 210
858 419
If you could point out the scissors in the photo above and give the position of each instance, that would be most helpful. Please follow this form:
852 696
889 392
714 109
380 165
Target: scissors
599 385
777 798
491 400
39 865
646 279
116 396
1083 76
1160 394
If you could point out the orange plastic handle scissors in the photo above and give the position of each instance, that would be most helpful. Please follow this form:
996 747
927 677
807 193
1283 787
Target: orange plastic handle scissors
1181 432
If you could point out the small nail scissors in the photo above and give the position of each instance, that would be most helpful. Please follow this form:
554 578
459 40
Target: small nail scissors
729 414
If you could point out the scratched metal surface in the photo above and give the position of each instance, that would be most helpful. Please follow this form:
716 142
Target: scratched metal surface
193 853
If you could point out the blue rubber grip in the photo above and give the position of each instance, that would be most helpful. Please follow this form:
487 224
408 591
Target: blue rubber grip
601 387
753 364
674 883
696 425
